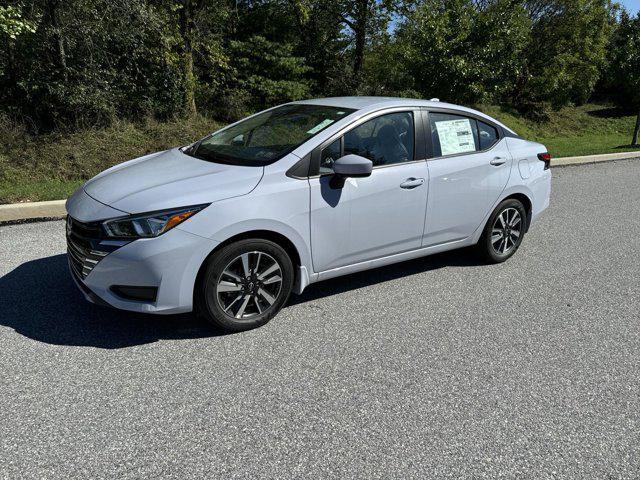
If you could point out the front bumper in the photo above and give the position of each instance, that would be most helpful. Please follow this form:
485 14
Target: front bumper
169 262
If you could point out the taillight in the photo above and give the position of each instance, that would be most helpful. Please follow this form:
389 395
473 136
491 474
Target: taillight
546 158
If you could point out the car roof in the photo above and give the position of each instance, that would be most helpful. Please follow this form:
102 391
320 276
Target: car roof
365 104
361 103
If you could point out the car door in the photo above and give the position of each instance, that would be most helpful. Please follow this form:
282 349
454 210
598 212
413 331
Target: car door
375 216
469 168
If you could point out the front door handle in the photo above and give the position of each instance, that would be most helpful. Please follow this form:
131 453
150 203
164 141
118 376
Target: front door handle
497 161
412 182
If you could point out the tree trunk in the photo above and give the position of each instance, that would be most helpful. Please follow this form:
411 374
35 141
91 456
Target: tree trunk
52 13
634 142
360 31
186 30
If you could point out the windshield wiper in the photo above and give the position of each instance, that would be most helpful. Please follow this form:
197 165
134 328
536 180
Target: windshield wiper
208 157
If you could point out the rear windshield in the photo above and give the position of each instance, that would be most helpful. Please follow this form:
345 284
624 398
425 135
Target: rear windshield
268 136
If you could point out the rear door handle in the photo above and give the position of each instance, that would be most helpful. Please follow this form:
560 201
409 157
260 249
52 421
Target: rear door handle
412 182
497 161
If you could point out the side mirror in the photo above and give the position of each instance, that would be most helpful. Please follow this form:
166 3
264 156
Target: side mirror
352 166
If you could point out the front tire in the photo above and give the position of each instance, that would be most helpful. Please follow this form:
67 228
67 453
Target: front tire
504 232
245 284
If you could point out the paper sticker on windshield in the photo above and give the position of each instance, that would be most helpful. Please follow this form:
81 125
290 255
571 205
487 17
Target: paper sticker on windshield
320 126
456 136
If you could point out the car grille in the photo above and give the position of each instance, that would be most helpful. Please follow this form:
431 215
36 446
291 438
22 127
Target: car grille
83 246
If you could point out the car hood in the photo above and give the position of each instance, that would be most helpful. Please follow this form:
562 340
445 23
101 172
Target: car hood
170 179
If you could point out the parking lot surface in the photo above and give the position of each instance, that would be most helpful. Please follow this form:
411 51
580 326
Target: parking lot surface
435 368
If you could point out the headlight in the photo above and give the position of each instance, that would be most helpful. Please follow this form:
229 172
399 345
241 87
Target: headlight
147 225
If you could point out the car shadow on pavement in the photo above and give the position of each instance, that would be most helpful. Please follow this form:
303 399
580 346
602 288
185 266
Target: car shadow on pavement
464 257
39 300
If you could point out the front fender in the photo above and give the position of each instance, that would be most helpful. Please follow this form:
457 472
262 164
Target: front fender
248 226
281 207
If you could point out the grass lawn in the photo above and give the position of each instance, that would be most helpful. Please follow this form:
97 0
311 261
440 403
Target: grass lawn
51 167
574 131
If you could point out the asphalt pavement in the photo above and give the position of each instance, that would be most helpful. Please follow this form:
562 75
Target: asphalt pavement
435 368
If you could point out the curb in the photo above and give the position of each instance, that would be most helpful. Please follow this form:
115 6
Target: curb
607 157
54 210
32 211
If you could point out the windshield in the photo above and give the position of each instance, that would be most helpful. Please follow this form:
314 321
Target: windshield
268 136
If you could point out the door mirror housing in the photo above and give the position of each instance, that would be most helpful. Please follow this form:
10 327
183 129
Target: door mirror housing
352 166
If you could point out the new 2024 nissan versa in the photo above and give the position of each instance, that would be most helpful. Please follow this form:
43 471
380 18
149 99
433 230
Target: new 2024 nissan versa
303 192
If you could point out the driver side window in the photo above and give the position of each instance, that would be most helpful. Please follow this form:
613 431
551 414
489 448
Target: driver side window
329 155
385 140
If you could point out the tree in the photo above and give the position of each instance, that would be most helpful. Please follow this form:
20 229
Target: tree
566 51
261 60
323 41
86 62
268 72
13 23
186 30
461 50
73 63
500 35
625 66
362 18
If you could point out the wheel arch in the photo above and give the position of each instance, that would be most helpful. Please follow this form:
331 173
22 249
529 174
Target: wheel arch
526 201
524 197
276 237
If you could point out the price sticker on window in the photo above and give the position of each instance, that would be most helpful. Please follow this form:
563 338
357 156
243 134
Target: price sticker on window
456 136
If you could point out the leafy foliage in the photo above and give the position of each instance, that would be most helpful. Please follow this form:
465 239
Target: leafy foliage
456 50
12 23
67 65
89 62
625 61
268 71
566 51
625 67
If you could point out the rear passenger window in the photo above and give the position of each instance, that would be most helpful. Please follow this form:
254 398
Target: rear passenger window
488 135
452 134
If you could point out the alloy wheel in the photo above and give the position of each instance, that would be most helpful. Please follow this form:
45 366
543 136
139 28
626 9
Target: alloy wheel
249 285
506 231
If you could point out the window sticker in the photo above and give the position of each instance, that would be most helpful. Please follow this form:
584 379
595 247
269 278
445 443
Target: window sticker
456 136
320 126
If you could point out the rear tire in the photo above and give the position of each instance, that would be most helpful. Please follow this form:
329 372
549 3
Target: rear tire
245 284
504 232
